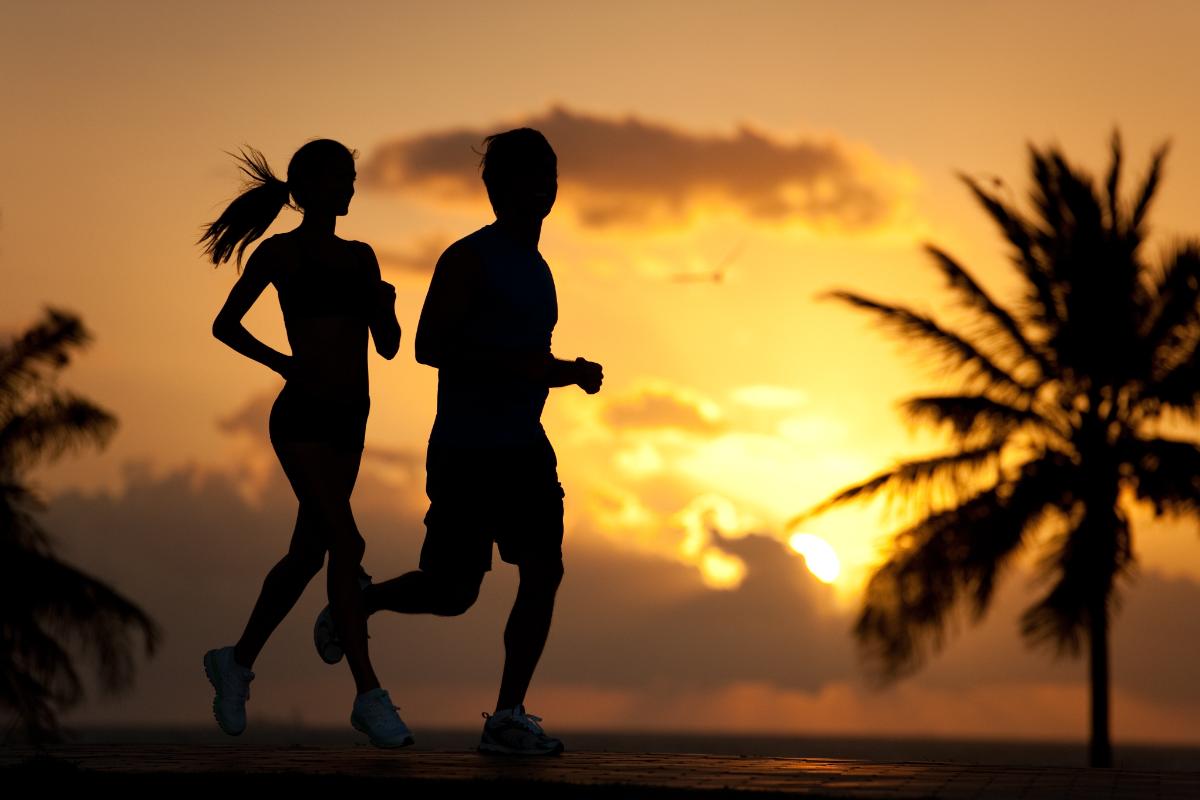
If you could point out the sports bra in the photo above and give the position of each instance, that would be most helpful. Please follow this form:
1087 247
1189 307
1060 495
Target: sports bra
310 286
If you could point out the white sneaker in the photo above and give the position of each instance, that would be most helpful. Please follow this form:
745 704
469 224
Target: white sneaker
375 716
513 732
325 637
232 683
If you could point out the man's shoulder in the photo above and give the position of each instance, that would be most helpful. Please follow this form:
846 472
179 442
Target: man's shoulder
468 247
463 257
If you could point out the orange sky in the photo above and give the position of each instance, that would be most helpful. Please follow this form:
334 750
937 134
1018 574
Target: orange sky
830 135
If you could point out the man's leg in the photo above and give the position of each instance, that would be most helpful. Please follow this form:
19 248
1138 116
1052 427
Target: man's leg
446 594
457 551
528 628
455 556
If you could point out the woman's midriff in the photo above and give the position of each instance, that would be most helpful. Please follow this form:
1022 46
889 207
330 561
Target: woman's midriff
326 398
329 355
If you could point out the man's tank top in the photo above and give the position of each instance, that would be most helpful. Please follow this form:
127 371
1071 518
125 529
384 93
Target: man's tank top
514 310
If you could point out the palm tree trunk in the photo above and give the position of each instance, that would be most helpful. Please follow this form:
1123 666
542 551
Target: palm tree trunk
1100 747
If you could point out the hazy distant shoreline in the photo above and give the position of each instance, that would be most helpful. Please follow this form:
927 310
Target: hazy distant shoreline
967 751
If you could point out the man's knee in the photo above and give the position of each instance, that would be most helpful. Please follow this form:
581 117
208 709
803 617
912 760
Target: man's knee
542 575
455 596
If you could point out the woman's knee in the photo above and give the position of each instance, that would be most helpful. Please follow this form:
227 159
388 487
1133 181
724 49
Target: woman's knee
347 548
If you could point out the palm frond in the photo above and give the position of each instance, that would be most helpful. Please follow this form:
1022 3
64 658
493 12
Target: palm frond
51 426
1078 195
27 697
1044 193
972 417
1057 620
84 608
1083 567
1166 473
1043 299
41 657
46 346
976 298
18 527
1112 184
949 558
954 474
49 610
1174 315
1149 187
38 676
1179 388
960 354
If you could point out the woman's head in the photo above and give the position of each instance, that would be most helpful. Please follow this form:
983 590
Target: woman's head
320 179
321 176
520 171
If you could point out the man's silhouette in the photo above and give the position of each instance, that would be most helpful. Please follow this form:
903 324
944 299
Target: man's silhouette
491 472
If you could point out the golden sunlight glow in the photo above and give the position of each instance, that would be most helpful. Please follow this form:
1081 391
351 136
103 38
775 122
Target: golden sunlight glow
721 570
704 515
820 558
767 396
639 461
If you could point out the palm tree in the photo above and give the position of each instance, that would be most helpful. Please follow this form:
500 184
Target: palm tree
48 608
1060 410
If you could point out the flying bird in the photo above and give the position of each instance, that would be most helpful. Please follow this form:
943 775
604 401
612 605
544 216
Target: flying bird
717 274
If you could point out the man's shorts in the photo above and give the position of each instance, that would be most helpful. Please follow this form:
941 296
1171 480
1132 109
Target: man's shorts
509 495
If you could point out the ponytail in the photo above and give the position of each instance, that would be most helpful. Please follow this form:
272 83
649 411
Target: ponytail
250 214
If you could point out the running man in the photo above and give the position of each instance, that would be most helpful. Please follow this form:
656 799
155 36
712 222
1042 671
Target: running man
491 473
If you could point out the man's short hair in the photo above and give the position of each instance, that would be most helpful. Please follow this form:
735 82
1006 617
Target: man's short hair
511 153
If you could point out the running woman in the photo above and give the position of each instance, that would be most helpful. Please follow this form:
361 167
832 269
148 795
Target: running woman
331 295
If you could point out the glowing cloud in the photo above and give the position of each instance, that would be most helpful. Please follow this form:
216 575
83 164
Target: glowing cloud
720 570
660 405
770 397
630 171
418 258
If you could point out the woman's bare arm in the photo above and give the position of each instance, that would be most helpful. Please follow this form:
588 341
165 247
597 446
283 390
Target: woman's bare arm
228 327
385 328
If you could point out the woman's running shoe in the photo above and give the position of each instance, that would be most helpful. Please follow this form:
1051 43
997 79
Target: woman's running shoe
375 716
513 732
232 683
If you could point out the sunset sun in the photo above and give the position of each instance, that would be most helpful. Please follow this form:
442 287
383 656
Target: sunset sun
820 558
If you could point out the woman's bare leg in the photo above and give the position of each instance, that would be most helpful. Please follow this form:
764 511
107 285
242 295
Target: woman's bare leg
283 586
323 478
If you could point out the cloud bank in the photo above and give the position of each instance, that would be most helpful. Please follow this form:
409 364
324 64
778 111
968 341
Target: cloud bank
629 171
639 639
660 405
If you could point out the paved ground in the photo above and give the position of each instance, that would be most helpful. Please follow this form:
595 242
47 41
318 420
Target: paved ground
590 775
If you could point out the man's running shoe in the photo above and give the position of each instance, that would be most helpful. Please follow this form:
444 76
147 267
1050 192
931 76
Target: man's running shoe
232 683
375 716
325 637
513 732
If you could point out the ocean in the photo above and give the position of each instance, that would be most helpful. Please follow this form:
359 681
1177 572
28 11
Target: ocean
961 751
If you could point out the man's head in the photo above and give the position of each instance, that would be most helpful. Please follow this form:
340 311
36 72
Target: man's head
520 171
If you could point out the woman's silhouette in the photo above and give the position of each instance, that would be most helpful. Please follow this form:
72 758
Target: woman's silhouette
331 295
